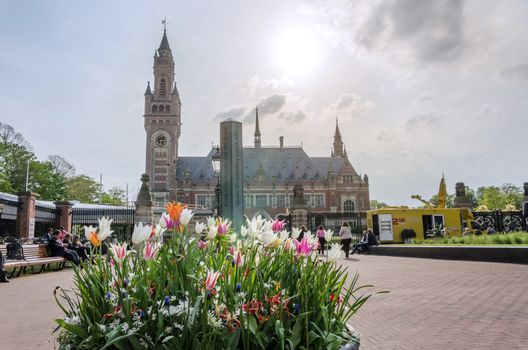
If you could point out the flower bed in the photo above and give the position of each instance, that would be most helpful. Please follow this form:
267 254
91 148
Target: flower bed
259 289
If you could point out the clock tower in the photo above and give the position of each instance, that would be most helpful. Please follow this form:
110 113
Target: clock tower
162 125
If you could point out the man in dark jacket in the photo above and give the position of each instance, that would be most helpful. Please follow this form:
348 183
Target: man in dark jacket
3 272
57 249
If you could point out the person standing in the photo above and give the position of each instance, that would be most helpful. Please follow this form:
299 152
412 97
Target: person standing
322 241
346 237
57 249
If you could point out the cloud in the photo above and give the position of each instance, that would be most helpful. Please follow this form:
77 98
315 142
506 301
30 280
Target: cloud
233 113
426 119
413 30
519 71
267 106
258 84
349 105
298 116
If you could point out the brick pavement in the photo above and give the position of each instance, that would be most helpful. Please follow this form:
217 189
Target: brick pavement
440 304
433 304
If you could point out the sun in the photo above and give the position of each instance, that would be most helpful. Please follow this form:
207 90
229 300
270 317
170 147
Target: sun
297 51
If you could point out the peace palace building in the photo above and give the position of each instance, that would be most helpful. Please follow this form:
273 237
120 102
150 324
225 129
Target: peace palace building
331 184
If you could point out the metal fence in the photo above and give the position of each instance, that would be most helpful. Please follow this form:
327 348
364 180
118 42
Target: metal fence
333 220
501 221
8 217
45 217
122 224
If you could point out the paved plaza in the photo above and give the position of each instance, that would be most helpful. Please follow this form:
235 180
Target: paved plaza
432 304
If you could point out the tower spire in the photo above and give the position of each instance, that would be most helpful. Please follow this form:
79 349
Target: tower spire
339 150
257 130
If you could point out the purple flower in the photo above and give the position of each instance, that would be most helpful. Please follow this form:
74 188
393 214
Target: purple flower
166 300
238 287
296 308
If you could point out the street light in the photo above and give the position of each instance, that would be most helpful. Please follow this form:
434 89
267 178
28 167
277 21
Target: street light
215 159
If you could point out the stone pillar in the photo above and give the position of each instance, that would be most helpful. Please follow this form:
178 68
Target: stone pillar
64 218
144 202
299 207
231 179
525 187
25 225
461 200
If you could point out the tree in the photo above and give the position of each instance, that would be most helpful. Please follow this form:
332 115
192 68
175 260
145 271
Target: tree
13 164
61 166
374 204
115 196
83 188
496 198
449 200
46 182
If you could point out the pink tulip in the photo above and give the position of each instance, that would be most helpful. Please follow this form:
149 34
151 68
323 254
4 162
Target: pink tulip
150 251
210 281
119 251
303 248
232 250
169 222
277 225
202 244
239 260
223 226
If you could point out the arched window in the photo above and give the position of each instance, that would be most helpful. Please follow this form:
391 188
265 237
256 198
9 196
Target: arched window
163 87
154 109
167 108
161 108
348 206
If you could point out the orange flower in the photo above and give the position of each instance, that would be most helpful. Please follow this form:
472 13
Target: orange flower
94 239
174 210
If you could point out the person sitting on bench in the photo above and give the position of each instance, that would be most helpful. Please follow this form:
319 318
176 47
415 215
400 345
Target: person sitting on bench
368 239
57 249
3 272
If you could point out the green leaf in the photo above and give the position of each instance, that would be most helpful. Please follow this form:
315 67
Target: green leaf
279 329
253 327
72 328
296 334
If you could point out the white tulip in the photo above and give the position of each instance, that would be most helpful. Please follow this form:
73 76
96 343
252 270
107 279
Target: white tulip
296 232
243 231
335 252
200 227
186 216
141 233
104 228
328 235
159 230
211 233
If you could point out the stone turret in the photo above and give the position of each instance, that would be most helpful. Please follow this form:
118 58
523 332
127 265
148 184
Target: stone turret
144 202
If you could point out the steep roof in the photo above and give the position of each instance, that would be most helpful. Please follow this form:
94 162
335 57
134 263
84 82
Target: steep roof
281 163
164 45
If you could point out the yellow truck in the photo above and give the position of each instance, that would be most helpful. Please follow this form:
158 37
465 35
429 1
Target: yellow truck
388 223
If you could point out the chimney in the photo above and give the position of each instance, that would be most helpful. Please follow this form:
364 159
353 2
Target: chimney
281 142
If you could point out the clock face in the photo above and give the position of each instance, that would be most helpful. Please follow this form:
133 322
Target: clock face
161 141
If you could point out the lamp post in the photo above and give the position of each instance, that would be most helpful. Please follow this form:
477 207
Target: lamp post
27 175
215 159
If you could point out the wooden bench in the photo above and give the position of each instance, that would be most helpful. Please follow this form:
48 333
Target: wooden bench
34 255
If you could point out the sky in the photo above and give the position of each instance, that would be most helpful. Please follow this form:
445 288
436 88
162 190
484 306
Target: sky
421 88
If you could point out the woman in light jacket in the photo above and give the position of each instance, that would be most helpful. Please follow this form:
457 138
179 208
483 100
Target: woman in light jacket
346 237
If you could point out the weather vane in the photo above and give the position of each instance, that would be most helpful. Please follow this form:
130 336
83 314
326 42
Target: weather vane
164 23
